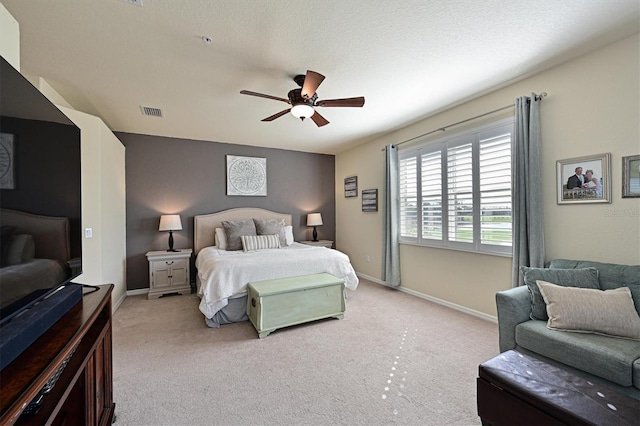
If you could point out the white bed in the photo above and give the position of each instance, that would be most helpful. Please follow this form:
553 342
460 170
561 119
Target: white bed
223 275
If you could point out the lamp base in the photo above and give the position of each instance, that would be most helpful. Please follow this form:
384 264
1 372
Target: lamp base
315 235
171 242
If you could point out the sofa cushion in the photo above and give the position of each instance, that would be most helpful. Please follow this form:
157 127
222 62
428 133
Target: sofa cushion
608 312
636 373
584 278
603 356
610 275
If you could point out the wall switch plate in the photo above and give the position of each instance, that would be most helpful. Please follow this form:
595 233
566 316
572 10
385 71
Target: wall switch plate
88 232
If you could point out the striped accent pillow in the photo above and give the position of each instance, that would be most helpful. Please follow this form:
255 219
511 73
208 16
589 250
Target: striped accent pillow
260 242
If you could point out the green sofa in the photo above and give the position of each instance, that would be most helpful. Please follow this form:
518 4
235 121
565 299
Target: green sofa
610 360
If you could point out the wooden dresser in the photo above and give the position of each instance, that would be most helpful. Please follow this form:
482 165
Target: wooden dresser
83 392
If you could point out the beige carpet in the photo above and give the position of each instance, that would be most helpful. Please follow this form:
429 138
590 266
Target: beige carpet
393 359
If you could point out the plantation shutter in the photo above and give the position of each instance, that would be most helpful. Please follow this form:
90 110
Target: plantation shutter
432 195
460 193
409 197
456 192
495 190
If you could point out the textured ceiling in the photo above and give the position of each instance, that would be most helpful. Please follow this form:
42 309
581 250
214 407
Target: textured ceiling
409 59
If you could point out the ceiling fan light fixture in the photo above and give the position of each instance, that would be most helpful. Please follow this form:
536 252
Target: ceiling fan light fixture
302 111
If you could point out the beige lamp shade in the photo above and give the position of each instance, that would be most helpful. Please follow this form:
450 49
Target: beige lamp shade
170 222
314 219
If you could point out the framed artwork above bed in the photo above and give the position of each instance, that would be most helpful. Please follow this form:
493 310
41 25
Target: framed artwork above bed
246 176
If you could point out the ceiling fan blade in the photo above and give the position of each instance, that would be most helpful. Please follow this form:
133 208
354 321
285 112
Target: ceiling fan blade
319 120
262 95
347 102
311 82
278 115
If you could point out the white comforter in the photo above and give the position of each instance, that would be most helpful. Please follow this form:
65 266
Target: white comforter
224 273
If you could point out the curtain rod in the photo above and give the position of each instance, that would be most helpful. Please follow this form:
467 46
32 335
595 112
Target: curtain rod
442 129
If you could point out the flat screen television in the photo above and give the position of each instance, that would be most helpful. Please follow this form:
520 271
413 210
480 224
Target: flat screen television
40 179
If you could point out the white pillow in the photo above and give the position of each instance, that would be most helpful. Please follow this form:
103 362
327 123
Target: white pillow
260 242
288 234
220 239
608 312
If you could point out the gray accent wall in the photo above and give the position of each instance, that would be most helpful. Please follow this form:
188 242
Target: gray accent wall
188 177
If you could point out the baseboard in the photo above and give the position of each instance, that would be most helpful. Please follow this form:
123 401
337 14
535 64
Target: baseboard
137 292
368 278
442 302
118 303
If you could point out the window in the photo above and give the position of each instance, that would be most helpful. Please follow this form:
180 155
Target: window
456 192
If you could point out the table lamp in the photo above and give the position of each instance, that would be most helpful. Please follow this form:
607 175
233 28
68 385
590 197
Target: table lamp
314 219
170 222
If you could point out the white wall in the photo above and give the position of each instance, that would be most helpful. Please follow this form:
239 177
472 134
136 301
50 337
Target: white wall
103 204
592 108
103 180
9 38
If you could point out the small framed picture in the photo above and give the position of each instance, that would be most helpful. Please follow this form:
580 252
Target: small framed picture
351 186
584 179
631 176
369 200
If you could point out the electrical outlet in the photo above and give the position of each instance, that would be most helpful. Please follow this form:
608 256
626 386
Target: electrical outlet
368 258
88 232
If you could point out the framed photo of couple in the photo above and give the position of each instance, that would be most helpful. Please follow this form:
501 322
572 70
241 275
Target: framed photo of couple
584 179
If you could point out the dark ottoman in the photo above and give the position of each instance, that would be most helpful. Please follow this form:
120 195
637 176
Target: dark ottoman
516 389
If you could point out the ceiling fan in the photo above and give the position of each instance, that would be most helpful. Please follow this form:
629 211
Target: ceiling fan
304 100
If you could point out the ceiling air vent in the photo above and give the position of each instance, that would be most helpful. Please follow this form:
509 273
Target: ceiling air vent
150 111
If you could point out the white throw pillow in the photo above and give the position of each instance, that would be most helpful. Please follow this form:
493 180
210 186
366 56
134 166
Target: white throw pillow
608 312
288 234
220 239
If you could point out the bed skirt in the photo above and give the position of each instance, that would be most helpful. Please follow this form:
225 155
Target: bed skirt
235 311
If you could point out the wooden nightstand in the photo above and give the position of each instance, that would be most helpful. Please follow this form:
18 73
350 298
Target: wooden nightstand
169 272
320 243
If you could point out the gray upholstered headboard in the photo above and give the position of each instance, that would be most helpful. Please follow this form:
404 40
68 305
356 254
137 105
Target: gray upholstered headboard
204 226
50 234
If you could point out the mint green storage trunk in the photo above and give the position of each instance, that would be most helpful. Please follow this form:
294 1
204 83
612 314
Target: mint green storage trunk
289 301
